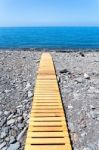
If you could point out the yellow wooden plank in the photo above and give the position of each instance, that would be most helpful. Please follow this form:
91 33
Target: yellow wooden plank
47 111
46 123
47 126
47 118
48 147
31 128
46 134
47 114
48 140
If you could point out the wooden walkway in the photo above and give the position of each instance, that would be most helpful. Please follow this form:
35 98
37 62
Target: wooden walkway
47 125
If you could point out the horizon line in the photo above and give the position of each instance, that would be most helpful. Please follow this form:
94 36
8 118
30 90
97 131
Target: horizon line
51 26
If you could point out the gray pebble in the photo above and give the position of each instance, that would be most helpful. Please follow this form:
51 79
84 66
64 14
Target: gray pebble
12 121
3 135
2 145
14 146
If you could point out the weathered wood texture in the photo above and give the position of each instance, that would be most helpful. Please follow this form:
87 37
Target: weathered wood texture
47 126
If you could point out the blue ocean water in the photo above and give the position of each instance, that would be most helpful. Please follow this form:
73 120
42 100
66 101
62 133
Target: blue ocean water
49 37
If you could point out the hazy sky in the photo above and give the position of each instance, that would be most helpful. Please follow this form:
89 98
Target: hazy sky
49 12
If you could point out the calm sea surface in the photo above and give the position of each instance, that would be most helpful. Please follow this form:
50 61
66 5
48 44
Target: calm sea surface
49 37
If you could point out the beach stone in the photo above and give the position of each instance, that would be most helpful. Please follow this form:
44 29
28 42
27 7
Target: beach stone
5 129
2 145
1 113
12 140
7 91
7 113
4 148
20 125
28 85
64 71
86 76
12 121
92 107
14 146
87 148
20 119
79 80
20 106
21 134
7 139
81 54
70 106
3 135
3 121
71 127
30 94
83 134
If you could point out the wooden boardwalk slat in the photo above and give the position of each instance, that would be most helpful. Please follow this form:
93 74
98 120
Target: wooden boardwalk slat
47 125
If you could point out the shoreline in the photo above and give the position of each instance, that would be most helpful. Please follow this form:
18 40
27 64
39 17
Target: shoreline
62 50
78 78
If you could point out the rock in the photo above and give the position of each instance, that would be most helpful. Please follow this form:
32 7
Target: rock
3 121
13 132
14 146
7 113
75 138
70 106
20 106
86 76
81 54
4 148
2 145
7 91
20 119
86 148
5 129
64 71
93 114
83 134
30 94
21 134
12 140
10 116
71 127
11 121
79 80
7 139
27 86
1 113
3 135
20 125
93 90
92 107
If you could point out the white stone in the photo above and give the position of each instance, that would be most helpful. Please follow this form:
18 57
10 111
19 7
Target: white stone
21 134
30 94
27 86
86 76
2 145
70 106
12 121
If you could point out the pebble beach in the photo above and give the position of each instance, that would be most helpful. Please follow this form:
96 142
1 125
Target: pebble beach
78 78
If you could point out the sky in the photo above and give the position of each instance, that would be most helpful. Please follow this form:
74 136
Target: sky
49 13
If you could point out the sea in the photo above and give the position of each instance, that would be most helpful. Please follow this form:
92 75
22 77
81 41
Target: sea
59 38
